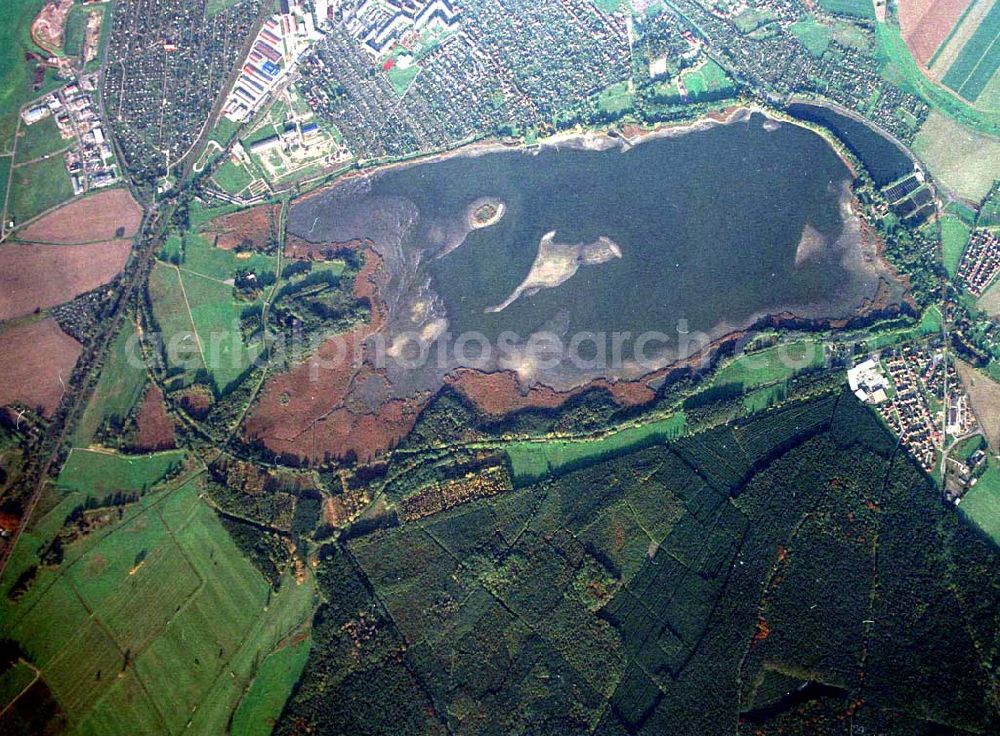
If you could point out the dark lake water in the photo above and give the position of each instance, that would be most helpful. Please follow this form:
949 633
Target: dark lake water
715 227
883 159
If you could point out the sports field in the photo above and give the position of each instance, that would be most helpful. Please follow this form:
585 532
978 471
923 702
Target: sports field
233 178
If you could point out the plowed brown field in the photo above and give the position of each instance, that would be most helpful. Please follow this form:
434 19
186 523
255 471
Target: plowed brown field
155 427
41 276
106 215
926 23
34 361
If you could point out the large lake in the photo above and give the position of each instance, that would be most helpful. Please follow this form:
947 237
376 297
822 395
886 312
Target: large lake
714 227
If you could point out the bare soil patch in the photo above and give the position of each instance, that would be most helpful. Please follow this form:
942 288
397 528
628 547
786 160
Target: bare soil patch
40 276
48 28
926 23
984 393
155 427
35 360
106 215
250 229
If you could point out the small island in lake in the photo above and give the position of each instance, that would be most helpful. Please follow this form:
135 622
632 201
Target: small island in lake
485 212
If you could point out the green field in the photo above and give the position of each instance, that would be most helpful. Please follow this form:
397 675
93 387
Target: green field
15 75
707 81
616 99
202 283
232 178
978 60
200 214
855 8
531 461
176 627
400 78
981 504
13 681
206 274
75 31
814 35
101 473
173 320
609 6
772 365
5 164
223 131
958 157
38 187
266 696
40 139
118 389
214 6
954 236
930 323
850 34
216 318
203 258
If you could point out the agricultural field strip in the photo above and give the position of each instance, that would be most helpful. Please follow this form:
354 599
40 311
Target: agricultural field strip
974 5
249 638
153 507
988 30
125 520
989 56
36 673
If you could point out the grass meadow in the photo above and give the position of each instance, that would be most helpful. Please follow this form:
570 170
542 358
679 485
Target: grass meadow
118 389
155 623
38 187
531 461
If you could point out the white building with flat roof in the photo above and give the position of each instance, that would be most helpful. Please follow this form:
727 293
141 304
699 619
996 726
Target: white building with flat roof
868 382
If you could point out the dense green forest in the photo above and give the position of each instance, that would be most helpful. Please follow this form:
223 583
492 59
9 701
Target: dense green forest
794 573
